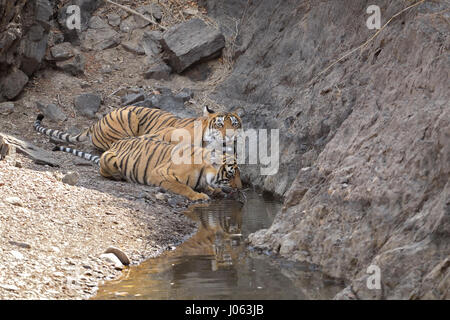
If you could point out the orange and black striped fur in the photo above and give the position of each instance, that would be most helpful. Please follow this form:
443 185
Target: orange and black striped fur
148 160
135 121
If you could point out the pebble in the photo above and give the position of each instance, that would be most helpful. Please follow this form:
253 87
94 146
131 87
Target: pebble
71 178
160 196
113 19
17 255
9 287
55 249
14 201
20 244
6 108
119 254
113 259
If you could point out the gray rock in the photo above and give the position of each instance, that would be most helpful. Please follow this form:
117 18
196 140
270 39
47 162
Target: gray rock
159 71
112 259
172 104
100 39
119 254
97 23
88 104
33 52
164 90
6 108
134 44
34 44
55 38
51 111
74 66
43 12
133 47
13 84
149 10
23 45
71 178
132 98
191 42
186 94
151 43
127 25
36 32
113 19
62 51
87 7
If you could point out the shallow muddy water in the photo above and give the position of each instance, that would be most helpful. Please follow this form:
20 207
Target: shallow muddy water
215 263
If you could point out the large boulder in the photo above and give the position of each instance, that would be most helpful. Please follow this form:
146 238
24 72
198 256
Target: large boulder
191 42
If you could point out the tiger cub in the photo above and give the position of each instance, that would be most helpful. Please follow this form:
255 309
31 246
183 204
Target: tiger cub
135 121
147 160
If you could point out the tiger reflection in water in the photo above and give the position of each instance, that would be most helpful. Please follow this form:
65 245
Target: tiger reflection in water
218 235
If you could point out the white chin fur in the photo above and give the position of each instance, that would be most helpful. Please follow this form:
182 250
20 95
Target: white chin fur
210 178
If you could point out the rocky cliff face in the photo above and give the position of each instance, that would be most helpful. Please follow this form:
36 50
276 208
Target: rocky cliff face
24 29
364 146
27 29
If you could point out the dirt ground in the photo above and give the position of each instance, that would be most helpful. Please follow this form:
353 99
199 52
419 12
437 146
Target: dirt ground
53 233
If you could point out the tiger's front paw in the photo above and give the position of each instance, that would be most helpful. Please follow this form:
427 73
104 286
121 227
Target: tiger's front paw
199 196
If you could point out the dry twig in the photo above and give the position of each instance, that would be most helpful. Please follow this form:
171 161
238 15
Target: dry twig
370 39
137 14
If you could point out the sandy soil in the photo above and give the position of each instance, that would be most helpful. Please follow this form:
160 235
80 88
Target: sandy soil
53 233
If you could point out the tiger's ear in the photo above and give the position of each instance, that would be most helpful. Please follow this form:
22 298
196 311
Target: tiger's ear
207 111
239 111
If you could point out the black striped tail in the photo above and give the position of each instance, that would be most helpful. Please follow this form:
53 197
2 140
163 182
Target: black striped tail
56 134
78 153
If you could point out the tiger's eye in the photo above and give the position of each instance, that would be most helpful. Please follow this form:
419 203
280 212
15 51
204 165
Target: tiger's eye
219 122
234 122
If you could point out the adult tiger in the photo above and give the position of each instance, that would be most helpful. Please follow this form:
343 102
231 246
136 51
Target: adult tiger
135 121
150 161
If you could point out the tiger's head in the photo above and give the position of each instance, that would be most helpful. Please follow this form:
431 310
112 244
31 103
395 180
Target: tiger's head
221 127
228 171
